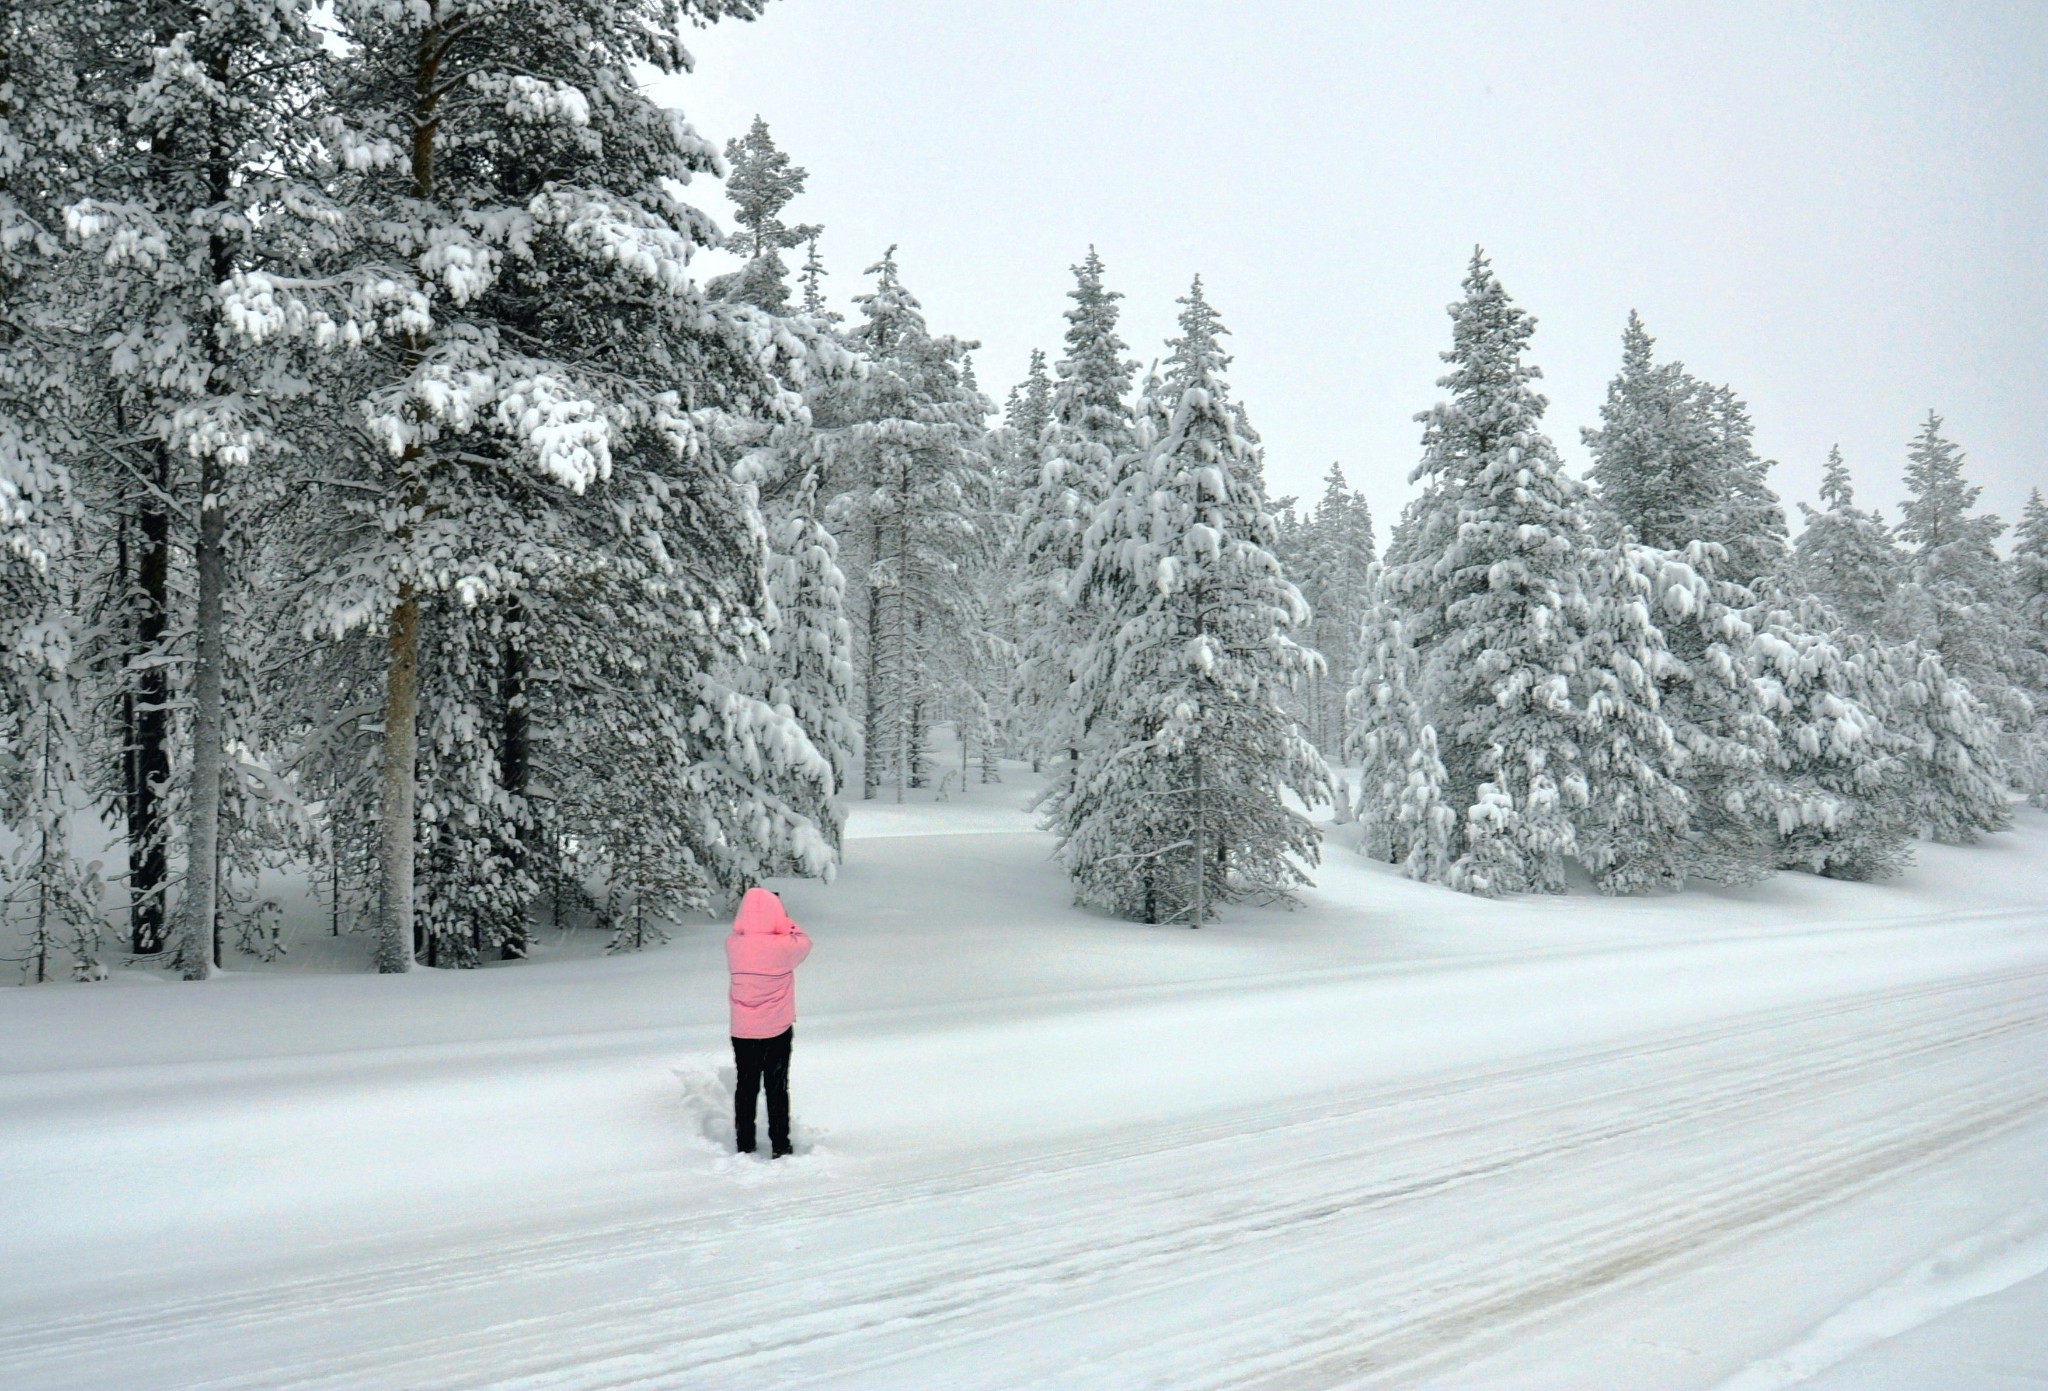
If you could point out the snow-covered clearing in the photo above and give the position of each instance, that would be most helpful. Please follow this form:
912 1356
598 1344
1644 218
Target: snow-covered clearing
1398 1137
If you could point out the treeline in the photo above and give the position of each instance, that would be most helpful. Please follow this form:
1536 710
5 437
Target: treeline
384 498
1638 673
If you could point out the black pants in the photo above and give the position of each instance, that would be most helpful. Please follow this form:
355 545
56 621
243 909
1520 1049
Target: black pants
758 1060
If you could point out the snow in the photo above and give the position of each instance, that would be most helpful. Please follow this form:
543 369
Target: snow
1400 1136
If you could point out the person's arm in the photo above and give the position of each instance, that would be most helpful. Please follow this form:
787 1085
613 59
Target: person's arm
799 946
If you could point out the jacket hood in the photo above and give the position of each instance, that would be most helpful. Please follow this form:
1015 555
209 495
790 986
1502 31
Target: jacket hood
761 913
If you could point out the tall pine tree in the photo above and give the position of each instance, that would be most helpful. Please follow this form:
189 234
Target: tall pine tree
1178 800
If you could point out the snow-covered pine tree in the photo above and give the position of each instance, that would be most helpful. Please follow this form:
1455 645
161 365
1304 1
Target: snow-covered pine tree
43 888
1085 431
1747 518
1694 525
1178 801
1952 785
1333 549
1845 556
813 648
2030 601
1402 814
1703 660
1954 598
217 175
1674 463
761 180
1840 812
549 411
909 489
1519 680
813 277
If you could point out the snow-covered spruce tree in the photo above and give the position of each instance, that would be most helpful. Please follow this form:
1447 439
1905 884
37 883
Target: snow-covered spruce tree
813 648
1748 518
813 277
1953 785
1524 689
1332 548
1954 598
1086 428
2030 602
1178 800
1845 556
546 391
45 893
908 486
761 180
1673 463
1841 812
1402 815
1704 664
1682 497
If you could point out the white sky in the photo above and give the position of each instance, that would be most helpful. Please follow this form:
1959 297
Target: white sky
1840 210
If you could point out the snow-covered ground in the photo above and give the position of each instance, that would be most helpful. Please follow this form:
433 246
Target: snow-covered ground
1795 1134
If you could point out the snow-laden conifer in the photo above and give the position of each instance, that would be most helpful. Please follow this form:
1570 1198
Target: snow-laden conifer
1845 555
1490 569
761 179
1954 598
551 408
1841 811
1673 463
1178 800
1085 430
219 178
1402 812
910 486
2030 603
1328 554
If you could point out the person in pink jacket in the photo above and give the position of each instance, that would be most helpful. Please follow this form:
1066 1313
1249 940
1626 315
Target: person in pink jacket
762 954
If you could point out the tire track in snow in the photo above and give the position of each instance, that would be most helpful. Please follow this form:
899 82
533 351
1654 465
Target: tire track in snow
642 1341
680 1231
1129 1263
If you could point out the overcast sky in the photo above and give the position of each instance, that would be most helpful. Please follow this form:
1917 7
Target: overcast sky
1842 211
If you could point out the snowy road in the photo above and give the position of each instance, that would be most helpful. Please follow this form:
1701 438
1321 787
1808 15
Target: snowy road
1610 1160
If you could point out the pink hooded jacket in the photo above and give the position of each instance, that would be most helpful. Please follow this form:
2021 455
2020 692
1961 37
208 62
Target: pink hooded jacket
762 953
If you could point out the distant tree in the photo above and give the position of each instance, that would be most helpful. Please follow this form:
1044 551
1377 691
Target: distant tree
909 488
1673 462
1954 599
1328 554
1845 556
1085 429
761 180
2030 600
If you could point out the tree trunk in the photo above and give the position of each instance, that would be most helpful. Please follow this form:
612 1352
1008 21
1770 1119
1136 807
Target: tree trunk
201 908
1201 869
200 953
395 801
515 762
870 774
148 761
396 790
